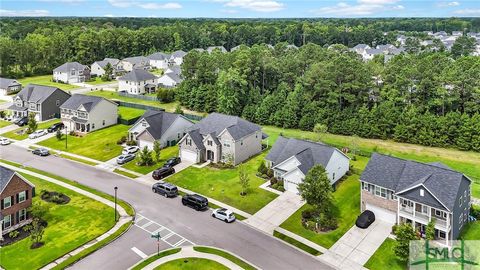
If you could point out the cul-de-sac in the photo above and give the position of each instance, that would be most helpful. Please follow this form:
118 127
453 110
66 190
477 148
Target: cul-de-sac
239 134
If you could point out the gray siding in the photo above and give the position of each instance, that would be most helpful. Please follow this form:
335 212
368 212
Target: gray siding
464 208
248 146
49 107
428 199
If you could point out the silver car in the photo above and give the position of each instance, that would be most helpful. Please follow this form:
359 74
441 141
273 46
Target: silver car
4 141
38 133
125 158
224 214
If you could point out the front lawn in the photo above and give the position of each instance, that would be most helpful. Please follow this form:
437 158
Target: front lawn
222 185
100 144
4 123
69 226
471 231
191 264
46 80
128 113
347 199
98 80
14 134
165 154
384 258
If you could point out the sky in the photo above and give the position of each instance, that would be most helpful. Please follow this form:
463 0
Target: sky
241 8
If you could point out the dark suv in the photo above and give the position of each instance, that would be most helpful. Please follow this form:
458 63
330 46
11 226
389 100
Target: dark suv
172 162
22 122
55 127
165 189
162 172
195 201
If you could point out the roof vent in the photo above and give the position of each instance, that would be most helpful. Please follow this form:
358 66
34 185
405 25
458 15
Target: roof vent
422 192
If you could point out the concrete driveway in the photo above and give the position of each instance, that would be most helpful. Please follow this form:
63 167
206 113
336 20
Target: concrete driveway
357 245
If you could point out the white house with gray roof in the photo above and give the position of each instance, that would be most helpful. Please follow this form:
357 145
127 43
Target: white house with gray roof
135 62
159 60
138 82
9 86
291 159
71 72
221 138
83 114
98 68
176 58
405 191
169 80
166 128
43 101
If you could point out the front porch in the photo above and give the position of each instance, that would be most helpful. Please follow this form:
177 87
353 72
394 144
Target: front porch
78 125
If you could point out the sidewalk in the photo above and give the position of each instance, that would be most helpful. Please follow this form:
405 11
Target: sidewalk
8 128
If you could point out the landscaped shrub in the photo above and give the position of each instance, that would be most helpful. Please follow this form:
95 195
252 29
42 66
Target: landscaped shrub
270 173
273 181
54 197
13 234
262 169
131 143
122 140
475 212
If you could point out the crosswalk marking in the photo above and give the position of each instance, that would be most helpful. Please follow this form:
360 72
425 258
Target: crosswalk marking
139 252
167 233
179 242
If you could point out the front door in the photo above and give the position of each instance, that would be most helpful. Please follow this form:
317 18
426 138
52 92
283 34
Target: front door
210 155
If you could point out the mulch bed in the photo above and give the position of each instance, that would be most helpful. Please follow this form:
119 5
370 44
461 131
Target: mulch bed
54 197
7 240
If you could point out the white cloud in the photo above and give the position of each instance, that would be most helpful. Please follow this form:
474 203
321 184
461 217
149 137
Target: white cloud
449 4
109 15
24 13
361 8
468 12
121 3
256 5
144 5
160 6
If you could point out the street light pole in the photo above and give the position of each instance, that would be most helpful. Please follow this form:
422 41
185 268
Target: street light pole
115 188
66 136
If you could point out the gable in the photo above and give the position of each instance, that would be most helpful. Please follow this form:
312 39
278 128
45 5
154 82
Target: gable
288 164
17 183
428 198
145 136
139 126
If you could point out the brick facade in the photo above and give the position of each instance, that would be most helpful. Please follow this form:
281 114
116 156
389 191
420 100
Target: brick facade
15 186
370 198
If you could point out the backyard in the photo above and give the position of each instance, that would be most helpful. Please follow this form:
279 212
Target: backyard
128 113
100 145
165 154
46 80
69 226
16 135
223 185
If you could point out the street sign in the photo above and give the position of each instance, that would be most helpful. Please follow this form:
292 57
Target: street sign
157 236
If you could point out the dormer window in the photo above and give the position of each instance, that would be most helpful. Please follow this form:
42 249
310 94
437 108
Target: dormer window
209 143
422 192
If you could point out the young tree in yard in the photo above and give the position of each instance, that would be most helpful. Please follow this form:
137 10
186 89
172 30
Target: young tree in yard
320 129
145 157
430 230
316 189
36 233
59 134
38 210
178 110
156 150
244 180
405 234
107 76
354 144
32 123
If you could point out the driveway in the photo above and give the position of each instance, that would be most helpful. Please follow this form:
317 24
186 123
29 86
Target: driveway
276 212
357 245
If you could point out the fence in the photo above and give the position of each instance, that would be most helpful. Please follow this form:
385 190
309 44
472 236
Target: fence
137 106
126 94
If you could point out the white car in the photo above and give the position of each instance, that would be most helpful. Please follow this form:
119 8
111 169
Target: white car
130 150
4 141
38 133
224 214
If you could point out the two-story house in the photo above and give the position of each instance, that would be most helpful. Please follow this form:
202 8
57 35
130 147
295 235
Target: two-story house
176 58
291 159
42 100
138 82
404 191
159 60
9 86
98 68
16 195
71 72
166 128
221 138
83 114
135 62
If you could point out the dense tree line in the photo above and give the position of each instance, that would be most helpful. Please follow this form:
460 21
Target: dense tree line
428 98
31 46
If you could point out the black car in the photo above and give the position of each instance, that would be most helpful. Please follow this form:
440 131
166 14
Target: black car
41 152
195 201
162 172
172 162
165 189
55 127
22 122
365 219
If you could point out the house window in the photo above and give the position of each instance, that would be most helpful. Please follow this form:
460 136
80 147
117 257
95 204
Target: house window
241 142
422 192
438 213
93 125
7 202
57 102
103 122
7 221
460 201
189 142
209 143
22 215
460 219
226 144
22 196
144 124
383 193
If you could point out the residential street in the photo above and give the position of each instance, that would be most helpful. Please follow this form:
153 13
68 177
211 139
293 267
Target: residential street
158 212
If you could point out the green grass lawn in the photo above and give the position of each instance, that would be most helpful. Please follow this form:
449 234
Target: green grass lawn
128 113
347 199
155 257
17 135
222 185
165 154
471 231
100 145
226 255
4 123
384 258
46 80
98 80
157 71
191 264
69 226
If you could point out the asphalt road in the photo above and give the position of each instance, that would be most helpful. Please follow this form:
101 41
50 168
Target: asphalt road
197 227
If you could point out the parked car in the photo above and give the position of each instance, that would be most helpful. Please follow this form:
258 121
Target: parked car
172 162
41 152
162 172
224 214
195 201
38 133
122 159
130 150
165 189
365 219
55 127
21 122
4 141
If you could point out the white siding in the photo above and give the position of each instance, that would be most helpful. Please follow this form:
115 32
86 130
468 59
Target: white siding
104 111
137 88
248 147
337 166
288 164
97 70
162 64
175 131
167 81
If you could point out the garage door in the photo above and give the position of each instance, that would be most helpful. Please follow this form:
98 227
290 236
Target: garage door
290 186
187 155
142 144
382 214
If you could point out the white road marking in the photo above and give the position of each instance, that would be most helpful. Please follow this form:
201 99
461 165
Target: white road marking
179 242
166 232
139 252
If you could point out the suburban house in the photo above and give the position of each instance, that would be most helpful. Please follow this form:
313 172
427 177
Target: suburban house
98 68
71 72
177 57
405 191
44 101
167 128
9 86
169 80
360 48
16 195
221 138
159 60
291 159
174 69
82 113
138 82
136 62
214 48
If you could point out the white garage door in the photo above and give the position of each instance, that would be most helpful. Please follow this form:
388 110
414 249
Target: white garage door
290 186
142 144
382 214
187 155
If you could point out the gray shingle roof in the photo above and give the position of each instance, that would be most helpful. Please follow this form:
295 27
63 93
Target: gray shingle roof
212 48
217 122
5 83
88 102
5 175
399 174
174 77
67 67
158 121
178 54
361 46
158 56
137 60
196 138
112 61
374 51
137 75
36 93
174 69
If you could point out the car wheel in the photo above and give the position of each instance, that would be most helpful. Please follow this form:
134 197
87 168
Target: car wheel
154 190
213 215
226 220
166 196
184 203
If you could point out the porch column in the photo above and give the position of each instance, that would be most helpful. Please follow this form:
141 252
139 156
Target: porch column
413 212
398 210
429 214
